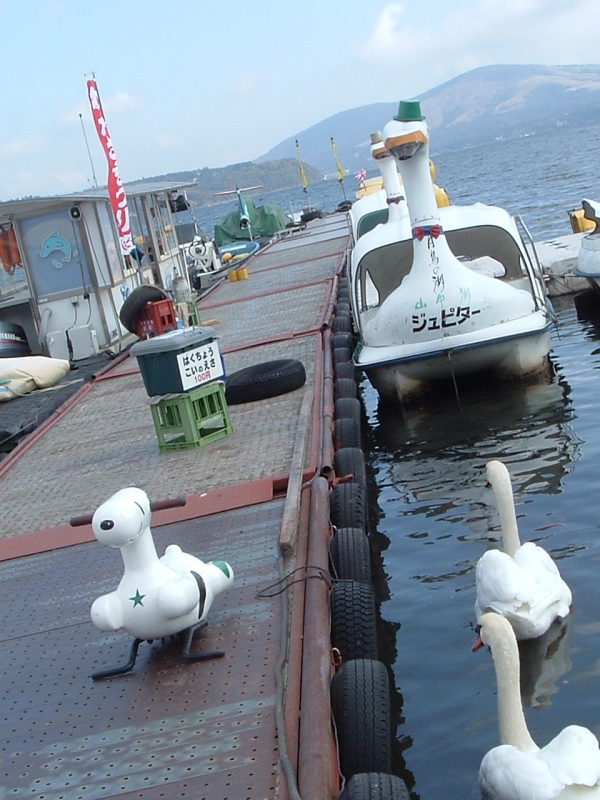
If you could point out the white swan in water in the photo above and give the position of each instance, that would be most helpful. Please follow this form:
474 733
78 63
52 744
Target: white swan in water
568 767
520 582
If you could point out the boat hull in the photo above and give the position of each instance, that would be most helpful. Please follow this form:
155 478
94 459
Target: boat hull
400 375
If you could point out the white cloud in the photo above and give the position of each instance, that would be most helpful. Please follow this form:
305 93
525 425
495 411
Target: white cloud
22 147
428 49
122 103
119 103
169 141
247 82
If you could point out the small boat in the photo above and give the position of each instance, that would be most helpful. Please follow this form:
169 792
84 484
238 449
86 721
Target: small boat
588 260
439 292
234 253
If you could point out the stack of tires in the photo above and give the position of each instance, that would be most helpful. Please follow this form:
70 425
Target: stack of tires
360 690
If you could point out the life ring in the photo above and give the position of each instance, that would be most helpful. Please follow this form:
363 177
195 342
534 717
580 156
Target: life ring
267 379
360 701
353 619
375 786
350 555
137 299
347 506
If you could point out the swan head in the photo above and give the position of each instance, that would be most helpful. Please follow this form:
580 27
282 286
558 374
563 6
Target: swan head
494 628
495 472
122 518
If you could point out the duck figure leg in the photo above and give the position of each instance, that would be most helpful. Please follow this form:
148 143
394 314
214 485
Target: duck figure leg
109 673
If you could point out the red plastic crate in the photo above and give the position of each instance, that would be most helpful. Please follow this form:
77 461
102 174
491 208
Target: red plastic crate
155 318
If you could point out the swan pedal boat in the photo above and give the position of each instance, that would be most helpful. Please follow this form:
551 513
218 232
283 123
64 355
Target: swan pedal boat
438 292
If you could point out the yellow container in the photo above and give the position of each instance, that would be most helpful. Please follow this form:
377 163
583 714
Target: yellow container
579 224
233 275
242 273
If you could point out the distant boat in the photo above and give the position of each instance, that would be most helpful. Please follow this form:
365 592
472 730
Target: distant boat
237 252
588 260
440 292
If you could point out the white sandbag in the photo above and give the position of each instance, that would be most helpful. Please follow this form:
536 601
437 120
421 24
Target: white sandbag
19 376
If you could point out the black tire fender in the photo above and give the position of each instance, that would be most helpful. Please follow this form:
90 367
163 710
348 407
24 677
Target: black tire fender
350 461
345 387
350 555
347 407
360 701
137 299
347 506
345 369
353 619
342 339
267 379
347 433
341 354
343 322
375 786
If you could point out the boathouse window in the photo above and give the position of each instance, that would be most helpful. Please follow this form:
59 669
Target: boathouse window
111 246
162 223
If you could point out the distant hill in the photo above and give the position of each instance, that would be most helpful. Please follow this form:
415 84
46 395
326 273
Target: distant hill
271 175
485 104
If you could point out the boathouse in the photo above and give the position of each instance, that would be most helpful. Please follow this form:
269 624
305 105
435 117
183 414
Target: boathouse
62 276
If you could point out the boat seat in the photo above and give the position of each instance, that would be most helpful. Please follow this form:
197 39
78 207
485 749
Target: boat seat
470 244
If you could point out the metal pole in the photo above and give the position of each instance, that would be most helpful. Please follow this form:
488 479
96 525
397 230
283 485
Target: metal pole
89 154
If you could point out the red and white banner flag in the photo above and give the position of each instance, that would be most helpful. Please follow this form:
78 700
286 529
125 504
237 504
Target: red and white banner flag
116 192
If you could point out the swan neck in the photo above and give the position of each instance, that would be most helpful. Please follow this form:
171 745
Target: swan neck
508 518
511 719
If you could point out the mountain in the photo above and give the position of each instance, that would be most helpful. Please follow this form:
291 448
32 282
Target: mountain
479 106
270 175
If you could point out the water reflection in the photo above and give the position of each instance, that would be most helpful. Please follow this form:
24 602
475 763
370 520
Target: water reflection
434 457
543 662
432 516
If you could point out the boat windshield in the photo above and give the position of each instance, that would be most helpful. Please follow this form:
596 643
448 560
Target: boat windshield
382 269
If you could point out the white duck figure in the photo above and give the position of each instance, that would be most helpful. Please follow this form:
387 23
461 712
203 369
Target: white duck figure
520 582
568 767
157 597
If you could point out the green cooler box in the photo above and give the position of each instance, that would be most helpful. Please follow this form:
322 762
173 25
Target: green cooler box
179 360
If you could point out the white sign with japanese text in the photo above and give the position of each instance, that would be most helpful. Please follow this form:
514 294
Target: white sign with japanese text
200 365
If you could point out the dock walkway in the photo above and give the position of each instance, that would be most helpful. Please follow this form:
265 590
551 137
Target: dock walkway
173 728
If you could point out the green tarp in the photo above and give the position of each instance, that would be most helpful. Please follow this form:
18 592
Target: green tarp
264 221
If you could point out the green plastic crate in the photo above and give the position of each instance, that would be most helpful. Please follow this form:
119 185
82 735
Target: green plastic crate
191 419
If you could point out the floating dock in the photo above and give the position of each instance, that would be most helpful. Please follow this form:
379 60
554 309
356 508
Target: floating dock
232 727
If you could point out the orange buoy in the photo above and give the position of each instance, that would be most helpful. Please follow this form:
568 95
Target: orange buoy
13 248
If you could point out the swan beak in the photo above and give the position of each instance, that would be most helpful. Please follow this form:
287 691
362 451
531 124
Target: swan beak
477 643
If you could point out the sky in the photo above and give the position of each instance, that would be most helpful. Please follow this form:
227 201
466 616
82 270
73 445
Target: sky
188 84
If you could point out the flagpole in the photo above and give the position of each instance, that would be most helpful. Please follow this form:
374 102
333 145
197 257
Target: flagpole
302 174
340 169
88 151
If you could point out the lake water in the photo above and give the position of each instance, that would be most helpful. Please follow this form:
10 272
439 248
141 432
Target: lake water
432 515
